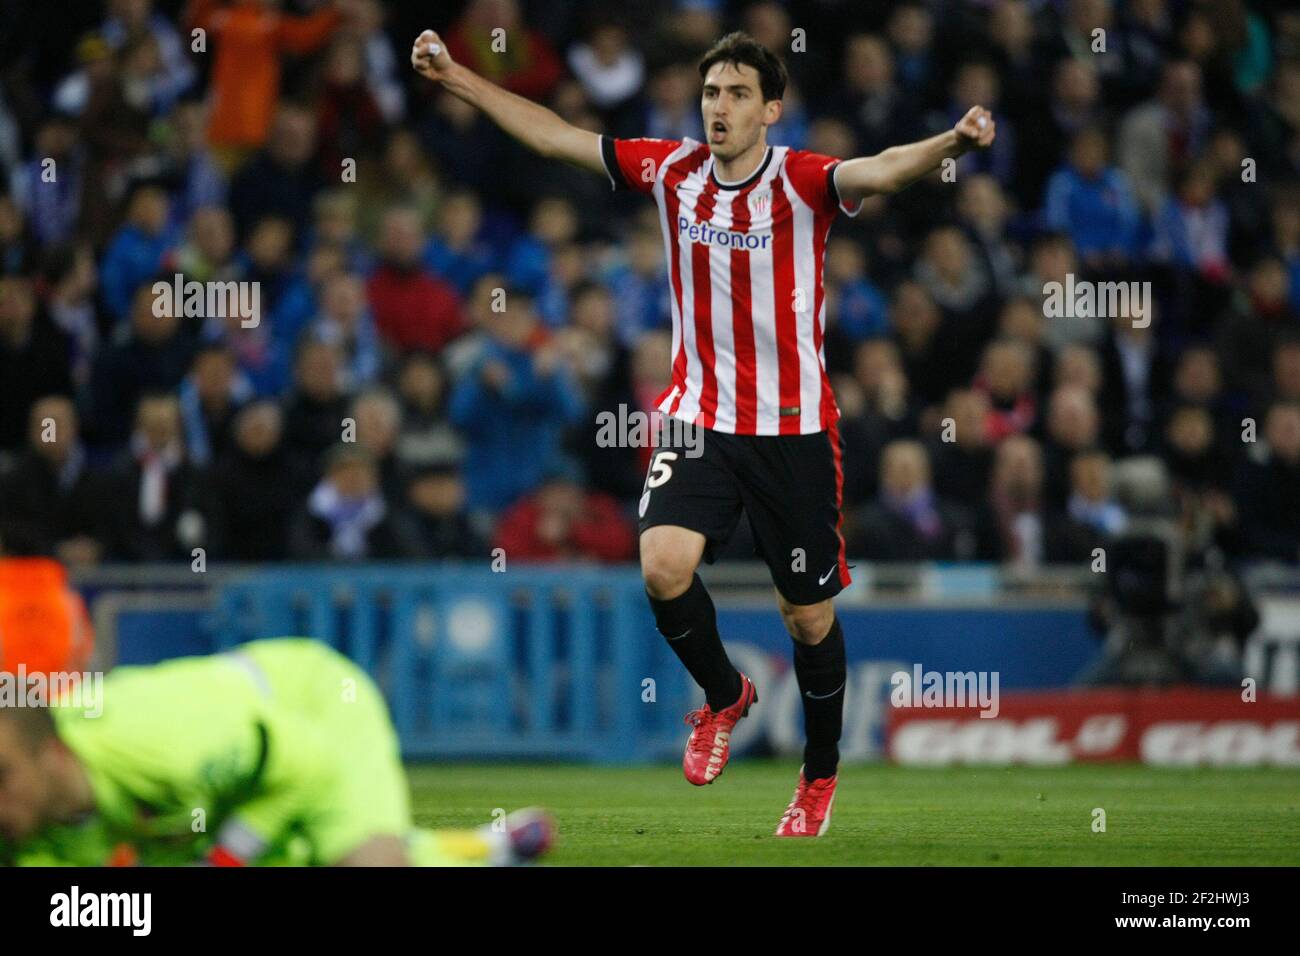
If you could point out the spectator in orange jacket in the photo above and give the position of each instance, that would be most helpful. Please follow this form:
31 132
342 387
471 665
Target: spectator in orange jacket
251 36
44 627
563 521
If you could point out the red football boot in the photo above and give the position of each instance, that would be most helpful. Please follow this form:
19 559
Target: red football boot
809 813
709 745
531 832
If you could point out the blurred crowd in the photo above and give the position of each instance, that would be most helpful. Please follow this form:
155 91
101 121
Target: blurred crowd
386 406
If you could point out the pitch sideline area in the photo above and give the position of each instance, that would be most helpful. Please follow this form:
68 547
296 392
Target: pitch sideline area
889 815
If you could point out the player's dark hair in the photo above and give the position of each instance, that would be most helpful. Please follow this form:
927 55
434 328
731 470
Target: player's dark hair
740 48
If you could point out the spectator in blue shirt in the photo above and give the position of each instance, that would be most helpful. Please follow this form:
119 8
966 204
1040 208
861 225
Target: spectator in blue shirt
861 309
513 405
137 251
345 320
1093 203
49 187
188 163
529 261
1191 230
642 295
456 252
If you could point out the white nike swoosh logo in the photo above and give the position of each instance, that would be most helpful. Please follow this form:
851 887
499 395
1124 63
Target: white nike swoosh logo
681 635
826 577
811 696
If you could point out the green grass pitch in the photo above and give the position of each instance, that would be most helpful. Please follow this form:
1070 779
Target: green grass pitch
888 815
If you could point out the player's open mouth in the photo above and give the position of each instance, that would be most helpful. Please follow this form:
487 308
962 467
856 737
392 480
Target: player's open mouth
717 131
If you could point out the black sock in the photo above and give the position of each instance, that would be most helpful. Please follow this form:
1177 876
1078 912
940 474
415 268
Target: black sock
690 625
820 670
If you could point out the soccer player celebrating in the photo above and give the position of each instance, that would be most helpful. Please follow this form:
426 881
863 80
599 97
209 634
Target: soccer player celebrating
279 753
745 227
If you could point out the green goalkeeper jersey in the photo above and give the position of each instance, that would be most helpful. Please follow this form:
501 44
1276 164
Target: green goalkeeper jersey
280 752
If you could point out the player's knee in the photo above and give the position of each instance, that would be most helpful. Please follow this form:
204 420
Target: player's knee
808 623
666 576
667 563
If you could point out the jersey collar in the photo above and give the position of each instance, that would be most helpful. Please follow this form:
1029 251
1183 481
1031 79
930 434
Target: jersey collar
751 178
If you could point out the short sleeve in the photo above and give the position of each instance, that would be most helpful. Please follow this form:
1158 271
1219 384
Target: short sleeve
813 177
635 163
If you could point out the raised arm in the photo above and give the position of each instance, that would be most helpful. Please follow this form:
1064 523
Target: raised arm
896 167
532 124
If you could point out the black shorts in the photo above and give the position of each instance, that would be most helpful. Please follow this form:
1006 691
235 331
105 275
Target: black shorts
789 485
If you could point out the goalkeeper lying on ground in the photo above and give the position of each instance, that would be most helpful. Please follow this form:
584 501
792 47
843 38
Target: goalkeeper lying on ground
279 753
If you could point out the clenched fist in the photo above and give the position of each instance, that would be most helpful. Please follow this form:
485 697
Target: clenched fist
429 56
975 130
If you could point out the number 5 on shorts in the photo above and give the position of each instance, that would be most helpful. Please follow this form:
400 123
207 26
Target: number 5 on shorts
660 470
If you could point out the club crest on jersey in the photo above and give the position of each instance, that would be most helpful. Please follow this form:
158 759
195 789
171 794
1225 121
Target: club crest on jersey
760 201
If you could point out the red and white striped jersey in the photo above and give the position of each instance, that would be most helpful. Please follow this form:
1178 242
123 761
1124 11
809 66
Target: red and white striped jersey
745 262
